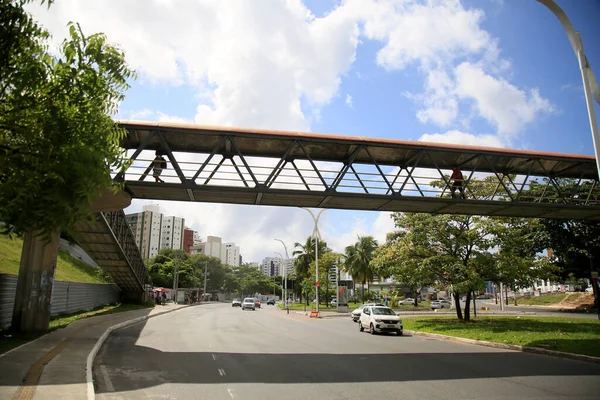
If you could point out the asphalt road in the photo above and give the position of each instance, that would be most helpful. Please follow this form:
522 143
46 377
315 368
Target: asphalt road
217 352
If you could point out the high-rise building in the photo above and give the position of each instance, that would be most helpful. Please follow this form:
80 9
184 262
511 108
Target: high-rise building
271 266
153 231
230 254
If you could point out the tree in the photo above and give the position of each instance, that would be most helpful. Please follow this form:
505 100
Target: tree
58 143
358 260
400 258
518 260
305 255
454 251
576 248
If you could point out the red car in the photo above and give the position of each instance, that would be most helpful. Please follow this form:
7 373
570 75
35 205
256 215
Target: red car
256 303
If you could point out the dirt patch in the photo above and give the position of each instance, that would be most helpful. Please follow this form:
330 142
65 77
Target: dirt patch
578 300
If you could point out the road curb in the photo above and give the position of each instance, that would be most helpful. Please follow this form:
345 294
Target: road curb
524 349
91 393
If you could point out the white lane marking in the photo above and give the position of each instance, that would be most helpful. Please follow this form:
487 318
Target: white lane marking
214 357
106 379
230 392
221 372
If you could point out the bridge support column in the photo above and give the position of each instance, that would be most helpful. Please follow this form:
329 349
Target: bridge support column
31 312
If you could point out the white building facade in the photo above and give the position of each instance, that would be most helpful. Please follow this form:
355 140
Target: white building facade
271 266
153 231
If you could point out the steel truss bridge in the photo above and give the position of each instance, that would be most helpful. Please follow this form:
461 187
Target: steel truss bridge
278 168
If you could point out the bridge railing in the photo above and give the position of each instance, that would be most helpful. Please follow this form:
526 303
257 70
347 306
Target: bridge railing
369 179
118 224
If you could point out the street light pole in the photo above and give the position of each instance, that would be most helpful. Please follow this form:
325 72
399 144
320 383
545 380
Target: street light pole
205 266
590 85
316 235
287 257
282 260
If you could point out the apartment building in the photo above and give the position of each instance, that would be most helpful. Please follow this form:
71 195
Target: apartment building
271 266
153 231
230 254
227 253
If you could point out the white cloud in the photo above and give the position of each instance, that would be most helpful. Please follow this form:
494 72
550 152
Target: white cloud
348 101
257 61
498 101
429 33
458 137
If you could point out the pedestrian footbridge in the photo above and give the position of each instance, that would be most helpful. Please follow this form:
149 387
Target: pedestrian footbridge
282 168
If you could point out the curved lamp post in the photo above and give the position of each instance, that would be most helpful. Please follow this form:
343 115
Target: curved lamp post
287 257
316 235
590 85
282 261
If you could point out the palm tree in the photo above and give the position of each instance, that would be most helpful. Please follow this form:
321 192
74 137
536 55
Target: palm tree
358 260
305 255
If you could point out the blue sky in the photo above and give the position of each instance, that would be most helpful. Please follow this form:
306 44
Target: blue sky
497 72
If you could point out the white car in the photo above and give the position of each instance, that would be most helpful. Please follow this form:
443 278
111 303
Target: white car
249 304
406 302
355 314
333 303
380 319
440 304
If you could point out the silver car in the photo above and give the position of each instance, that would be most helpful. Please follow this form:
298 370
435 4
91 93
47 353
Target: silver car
248 304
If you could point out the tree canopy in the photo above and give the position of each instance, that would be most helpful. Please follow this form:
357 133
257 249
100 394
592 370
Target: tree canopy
58 141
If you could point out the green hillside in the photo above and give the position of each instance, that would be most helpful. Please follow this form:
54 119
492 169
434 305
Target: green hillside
68 268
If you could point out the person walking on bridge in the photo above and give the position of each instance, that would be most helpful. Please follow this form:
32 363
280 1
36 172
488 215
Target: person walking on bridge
158 165
457 183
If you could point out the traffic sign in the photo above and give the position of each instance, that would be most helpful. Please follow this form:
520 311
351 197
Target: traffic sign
318 283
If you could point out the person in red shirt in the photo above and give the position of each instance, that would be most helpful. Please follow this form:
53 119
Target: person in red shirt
457 183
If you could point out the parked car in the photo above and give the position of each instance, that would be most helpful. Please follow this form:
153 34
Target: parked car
256 303
236 303
271 302
333 303
249 304
406 302
355 314
380 319
440 304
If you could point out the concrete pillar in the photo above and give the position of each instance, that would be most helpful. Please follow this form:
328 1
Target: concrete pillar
34 285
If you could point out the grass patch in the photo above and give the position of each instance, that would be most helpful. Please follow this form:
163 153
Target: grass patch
551 333
68 268
11 340
545 300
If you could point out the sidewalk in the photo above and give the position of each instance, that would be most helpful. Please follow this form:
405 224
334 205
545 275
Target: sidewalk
54 365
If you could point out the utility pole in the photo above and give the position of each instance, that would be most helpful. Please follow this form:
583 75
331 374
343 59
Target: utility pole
175 280
205 275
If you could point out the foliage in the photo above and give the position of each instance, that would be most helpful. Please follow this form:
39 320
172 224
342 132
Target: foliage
305 255
358 260
451 250
519 242
57 139
399 258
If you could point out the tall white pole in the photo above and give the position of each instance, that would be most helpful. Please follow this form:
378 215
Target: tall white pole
287 257
589 103
205 265
590 85
316 235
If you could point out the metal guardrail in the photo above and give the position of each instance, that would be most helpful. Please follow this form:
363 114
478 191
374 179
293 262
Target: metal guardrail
118 225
